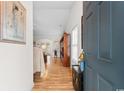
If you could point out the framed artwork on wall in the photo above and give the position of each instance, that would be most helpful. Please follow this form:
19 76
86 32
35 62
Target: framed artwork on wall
12 22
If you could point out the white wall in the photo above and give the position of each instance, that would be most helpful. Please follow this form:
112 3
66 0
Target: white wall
16 60
75 20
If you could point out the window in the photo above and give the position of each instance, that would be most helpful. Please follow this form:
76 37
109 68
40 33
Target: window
74 46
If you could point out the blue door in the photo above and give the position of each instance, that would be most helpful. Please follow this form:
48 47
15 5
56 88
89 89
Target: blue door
103 43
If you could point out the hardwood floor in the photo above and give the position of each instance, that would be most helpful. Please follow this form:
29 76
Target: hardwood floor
57 78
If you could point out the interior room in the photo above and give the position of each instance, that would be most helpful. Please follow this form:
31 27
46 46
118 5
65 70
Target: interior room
61 46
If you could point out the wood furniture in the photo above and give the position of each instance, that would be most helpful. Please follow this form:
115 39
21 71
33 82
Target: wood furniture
77 78
65 49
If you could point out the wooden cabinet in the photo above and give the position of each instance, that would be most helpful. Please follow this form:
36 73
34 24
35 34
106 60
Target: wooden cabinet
77 78
64 49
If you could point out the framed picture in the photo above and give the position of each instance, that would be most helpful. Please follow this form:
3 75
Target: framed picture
12 22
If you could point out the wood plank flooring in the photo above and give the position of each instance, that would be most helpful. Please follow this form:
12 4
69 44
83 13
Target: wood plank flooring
57 78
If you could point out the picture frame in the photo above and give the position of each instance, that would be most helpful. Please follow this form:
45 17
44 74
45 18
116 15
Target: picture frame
12 22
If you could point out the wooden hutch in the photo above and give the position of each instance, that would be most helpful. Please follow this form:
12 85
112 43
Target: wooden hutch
65 49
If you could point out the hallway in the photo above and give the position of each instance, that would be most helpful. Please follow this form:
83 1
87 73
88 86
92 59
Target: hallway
58 78
85 35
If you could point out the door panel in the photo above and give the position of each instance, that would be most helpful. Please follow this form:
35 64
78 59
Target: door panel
91 36
90 46
103 84
103 38
91 79
98 45
105 31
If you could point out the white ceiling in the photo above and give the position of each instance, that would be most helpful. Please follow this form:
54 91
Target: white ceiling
50 18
